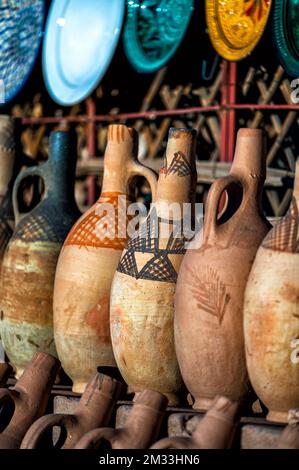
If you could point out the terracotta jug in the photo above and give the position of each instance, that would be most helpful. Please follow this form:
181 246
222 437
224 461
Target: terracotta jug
214 431
289 438
141 429
88 261
27 400
143 287
94 410
210 289
271 316
29 263
5 371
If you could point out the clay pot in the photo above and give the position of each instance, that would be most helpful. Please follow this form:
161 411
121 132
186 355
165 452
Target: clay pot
88 261
142 295
27 400
29 263
214 431
289 438
94 410
140 431
209 297
271 316
5 371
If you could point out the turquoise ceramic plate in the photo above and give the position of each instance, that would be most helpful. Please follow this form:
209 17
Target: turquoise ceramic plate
21 23
80 40
286 34
153 31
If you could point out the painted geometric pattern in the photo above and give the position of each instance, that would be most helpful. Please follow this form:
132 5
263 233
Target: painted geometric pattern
159 267
91 231
210 293
5 234
36 228
179 166
284 236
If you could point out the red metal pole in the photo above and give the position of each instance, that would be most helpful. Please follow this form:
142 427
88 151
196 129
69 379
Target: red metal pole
91 140
224 113
232 87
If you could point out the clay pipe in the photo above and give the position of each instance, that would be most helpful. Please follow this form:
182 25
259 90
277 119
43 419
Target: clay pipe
5 371
94 409
140 431
214 431
289 438
22 404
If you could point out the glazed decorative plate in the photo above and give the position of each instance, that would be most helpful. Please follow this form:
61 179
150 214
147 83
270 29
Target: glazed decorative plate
154 30
286 34
236 26
80 40
21 25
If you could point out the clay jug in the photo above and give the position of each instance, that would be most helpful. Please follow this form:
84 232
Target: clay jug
29 263
22 404
271 316
88 261
141 429
94 410
11 160
214 431
210 289
5 371
142 296
289 438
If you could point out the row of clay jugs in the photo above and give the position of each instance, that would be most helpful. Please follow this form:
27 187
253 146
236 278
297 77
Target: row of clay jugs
141 430
208 324
271 315
29 264
142 295
94 410
24 403
88 261
214 431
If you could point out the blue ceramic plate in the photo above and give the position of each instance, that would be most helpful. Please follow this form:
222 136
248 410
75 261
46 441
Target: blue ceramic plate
80 40
154 30
21 23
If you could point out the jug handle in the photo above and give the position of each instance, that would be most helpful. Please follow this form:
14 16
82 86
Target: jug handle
92 439
137 169
212 204
34 171
7 398
38 429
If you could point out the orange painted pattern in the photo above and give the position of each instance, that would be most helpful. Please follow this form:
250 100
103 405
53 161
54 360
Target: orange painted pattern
89 231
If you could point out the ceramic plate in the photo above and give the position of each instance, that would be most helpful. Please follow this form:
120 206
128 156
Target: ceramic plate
236 26
286 34
21 23
154 29
80 40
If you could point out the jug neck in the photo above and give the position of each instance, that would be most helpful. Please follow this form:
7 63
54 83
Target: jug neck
121 149
61 166
177 179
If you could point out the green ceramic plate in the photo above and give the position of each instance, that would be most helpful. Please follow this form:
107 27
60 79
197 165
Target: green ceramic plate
286 34
154 29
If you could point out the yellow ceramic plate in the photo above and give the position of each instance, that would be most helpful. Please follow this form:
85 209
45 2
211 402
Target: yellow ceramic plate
236 26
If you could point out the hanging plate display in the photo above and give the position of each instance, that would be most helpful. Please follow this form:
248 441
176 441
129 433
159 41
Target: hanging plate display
286 34
21 24
236 26
80 40
153 31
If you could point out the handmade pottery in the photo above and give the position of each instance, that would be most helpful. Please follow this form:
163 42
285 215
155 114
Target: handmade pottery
29 264
88 260
208 324
140 431
271 316
94 410
214 431
143 287
22 404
